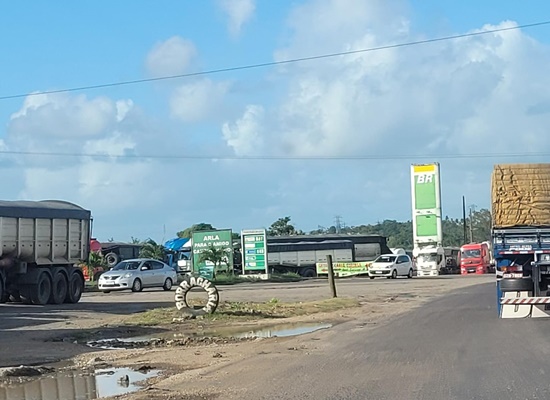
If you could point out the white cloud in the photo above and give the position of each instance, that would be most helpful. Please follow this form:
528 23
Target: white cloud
239 12
63 116
245 135
76 125
171 57
416 100
483 94
198 100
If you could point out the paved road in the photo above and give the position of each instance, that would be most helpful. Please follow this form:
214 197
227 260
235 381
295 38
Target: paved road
454 348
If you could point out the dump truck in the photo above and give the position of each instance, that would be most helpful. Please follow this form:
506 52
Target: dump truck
41 243
520 208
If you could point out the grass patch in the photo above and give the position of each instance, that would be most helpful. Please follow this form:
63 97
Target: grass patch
228 279
286 277
246 311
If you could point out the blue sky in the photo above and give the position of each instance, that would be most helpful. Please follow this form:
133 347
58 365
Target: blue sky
483 95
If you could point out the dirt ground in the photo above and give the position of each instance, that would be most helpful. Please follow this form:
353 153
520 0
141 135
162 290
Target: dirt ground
204 369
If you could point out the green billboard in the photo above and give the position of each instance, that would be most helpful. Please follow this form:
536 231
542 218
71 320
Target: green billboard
426 204
254 249
212 252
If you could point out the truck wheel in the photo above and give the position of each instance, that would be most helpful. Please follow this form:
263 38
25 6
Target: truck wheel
309 273
136 286
75 289
516 285
112 259
41 292
59 288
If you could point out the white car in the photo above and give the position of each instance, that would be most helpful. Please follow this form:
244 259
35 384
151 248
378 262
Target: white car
391 266
137 274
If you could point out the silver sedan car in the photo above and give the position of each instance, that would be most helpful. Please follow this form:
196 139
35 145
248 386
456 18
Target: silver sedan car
137 274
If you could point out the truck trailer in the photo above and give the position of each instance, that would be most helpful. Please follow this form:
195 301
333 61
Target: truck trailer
520 205
41 243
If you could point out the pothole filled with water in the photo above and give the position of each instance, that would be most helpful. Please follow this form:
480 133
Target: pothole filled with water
75 385
213 336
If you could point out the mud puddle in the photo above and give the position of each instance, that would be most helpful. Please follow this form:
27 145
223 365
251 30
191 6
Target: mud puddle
282 330
214 336
78 385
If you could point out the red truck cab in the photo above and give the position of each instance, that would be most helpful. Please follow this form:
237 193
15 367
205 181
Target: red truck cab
475 258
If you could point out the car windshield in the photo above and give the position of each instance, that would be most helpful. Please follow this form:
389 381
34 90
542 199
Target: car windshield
471 254
385 259
126 265
427 257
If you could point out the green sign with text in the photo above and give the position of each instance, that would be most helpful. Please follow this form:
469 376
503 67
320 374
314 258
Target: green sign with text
254 250
212 252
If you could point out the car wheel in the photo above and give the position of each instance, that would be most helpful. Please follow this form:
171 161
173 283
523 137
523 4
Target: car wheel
136 286
410 275
372 277
167 284
106 291
394 274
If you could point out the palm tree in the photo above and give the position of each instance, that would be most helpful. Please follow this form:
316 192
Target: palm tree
152 249
216 255
96 265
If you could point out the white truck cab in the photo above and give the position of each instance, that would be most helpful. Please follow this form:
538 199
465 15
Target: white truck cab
429 260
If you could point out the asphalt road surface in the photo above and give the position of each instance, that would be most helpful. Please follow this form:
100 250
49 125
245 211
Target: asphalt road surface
455 347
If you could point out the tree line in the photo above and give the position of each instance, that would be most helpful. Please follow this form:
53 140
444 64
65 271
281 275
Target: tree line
400 234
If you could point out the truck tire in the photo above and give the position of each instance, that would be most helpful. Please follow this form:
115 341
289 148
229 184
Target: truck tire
60 287
112 259
41 292
309 273
75 288
184 288
516 285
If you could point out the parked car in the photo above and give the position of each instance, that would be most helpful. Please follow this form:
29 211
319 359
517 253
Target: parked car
391 266
136 274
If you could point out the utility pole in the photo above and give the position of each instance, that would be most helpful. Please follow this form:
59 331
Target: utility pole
464 219
338 223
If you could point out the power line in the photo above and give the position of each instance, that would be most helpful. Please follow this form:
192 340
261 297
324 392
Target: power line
275 158
274 63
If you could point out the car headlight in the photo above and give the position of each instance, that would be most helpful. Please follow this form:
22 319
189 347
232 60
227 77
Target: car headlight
128 275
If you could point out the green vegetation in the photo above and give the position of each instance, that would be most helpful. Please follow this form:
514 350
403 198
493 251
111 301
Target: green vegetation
399 234
152 249
188 232
215 255
245 311
230 279
283 227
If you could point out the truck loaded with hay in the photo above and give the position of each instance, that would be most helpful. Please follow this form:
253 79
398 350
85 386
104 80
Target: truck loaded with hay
520 202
